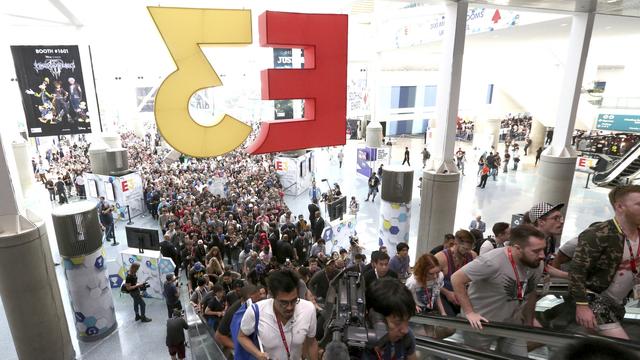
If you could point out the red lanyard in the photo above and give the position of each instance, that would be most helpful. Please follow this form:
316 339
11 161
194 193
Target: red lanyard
515 271
284 339
632 262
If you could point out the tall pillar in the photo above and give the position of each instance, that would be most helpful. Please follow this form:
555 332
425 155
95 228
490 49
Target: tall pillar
374 135
28 284
395 207
23 165
80 244
440 183
112 140
558 161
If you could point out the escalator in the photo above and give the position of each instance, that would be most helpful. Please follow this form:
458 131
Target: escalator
621 171
549 340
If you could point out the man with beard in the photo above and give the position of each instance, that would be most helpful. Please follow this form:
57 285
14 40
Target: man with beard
604 268
502 286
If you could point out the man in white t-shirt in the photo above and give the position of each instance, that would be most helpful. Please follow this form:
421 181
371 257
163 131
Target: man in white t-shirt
503 283
501 231
286 325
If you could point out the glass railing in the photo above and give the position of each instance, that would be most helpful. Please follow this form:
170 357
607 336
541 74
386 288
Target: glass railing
621 102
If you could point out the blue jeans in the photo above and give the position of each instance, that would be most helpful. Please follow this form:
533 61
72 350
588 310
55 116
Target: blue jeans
109 231
213 323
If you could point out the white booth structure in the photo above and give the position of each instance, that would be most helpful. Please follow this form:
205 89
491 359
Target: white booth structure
153 269
295 173
118 190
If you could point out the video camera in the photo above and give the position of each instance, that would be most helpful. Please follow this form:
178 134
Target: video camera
347 320
145 285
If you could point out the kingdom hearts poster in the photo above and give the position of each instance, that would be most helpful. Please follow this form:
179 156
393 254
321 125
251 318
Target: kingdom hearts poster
52 87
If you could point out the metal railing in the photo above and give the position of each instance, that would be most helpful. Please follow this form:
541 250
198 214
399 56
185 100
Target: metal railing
543 336
455 351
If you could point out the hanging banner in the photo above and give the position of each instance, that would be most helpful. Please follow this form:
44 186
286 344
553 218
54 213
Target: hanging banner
52 87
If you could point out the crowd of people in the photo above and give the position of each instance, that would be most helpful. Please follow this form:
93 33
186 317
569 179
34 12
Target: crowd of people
464 130
254 270
515 127
598 142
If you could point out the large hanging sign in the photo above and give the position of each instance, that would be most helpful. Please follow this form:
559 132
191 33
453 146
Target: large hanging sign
618 122
52 87
321 83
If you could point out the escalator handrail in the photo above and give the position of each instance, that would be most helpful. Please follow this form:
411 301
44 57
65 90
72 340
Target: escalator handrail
544 336
198 324
460 351
618 166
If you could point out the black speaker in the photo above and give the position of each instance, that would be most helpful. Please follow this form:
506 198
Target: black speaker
397 185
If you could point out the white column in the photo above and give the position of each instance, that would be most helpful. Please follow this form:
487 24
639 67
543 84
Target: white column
22 156
581 29
448 95
557 163
439 193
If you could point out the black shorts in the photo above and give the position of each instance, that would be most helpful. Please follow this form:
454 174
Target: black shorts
177 349
606 310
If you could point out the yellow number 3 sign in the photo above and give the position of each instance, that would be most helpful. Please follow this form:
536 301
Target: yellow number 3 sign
184 31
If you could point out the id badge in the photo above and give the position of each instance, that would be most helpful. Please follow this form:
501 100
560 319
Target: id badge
547 284
636 288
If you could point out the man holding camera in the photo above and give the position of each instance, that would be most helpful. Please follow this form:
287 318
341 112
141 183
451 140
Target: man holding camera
133 288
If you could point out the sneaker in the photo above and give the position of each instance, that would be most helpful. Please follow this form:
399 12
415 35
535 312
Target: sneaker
138 317
145 319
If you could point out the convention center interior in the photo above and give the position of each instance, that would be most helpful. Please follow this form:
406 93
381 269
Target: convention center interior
328 179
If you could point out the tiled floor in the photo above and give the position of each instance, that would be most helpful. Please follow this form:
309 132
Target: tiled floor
511 193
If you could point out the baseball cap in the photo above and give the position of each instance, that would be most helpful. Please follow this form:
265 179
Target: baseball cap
541 209
198 266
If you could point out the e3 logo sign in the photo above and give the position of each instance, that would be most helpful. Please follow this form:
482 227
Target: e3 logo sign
322 83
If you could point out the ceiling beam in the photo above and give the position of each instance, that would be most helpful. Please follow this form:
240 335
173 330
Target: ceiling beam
64 10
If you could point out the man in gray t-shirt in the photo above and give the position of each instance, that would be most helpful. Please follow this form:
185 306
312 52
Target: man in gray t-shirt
502 288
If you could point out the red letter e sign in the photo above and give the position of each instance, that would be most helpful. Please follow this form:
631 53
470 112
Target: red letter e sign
322 83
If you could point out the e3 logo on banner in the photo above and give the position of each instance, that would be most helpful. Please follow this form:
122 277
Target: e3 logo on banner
322 83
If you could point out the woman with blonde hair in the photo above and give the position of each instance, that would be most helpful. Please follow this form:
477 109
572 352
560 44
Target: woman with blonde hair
215 265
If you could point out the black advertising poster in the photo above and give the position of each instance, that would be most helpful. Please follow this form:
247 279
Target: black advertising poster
52 87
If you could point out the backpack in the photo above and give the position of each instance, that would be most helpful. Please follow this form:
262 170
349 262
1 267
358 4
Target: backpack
239 352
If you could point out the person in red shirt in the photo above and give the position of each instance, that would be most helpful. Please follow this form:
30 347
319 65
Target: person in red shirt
484 175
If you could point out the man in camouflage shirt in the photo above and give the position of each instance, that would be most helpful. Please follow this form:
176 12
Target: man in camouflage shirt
606 264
